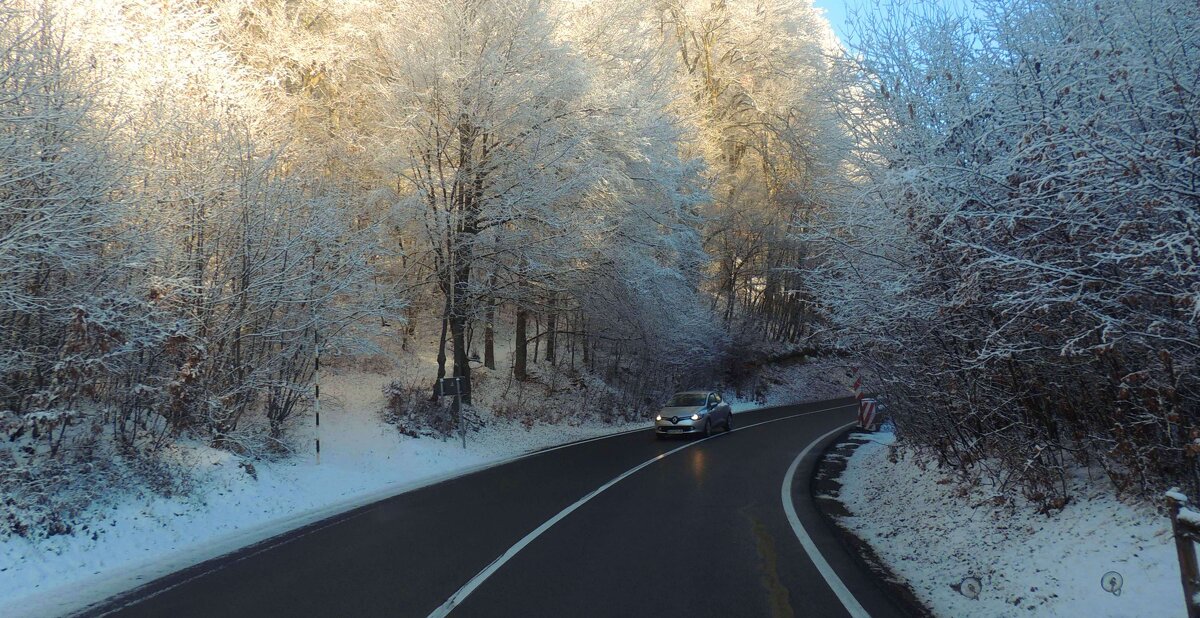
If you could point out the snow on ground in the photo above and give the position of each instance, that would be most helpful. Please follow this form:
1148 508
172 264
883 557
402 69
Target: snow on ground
814 379
931 534
136 537
133 541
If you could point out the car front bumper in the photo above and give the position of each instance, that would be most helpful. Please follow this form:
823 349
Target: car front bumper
683 427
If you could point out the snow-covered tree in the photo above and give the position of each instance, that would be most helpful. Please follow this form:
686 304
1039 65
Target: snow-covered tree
755 75
485 110
66 315
1022 248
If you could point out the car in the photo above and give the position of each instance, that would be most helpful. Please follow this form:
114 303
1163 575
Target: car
693 412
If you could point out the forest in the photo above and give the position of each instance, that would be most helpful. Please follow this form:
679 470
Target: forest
995 209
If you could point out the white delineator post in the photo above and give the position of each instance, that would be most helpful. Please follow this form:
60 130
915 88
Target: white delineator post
316 377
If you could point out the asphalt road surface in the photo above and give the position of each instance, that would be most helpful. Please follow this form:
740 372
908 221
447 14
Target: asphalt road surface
619 526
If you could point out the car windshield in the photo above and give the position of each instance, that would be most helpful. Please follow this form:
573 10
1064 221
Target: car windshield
686 399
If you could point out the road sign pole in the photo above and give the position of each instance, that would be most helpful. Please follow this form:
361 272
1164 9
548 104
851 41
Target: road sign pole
455 384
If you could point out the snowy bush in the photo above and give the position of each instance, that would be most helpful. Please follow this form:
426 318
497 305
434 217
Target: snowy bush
1019 253
164 270
414 413
47 495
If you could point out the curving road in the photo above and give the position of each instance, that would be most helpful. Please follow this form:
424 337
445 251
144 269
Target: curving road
619 526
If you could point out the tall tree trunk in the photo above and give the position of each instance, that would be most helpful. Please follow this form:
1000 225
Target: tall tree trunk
468 189
460 312
521 346
572 337
489 329
551 328
586 353
462 367
410 326
537 336
441 357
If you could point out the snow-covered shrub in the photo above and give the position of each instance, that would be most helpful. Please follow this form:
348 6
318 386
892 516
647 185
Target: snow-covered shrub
165 271
46 495
414 413
71 324
1020 256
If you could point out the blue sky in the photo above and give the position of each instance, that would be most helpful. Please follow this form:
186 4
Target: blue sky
837 11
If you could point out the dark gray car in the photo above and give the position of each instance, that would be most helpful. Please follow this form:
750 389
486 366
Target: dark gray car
693 412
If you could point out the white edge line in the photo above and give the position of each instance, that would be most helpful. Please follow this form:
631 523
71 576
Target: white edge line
835 583
332 514
469 587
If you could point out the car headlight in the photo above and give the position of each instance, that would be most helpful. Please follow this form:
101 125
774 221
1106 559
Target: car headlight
696 416
658 417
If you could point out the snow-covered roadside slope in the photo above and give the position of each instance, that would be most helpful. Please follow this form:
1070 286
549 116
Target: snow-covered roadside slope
933 535
812 379
135 539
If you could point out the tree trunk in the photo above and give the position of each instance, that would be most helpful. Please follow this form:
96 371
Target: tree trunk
489 328
459 313
521 346
537 336
410 327
551 327
441 357
462 367
469 190
586 353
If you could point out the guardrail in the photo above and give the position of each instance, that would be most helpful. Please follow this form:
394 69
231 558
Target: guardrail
1185 523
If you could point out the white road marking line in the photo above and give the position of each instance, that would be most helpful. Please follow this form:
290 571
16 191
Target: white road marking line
340 517
835 583
469 587
330 520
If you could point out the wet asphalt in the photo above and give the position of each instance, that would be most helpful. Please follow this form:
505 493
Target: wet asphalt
699 532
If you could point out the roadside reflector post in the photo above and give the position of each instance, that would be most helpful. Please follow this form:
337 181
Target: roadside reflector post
866 414
317 393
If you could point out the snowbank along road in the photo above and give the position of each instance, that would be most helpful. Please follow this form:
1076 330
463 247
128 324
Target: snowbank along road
617 526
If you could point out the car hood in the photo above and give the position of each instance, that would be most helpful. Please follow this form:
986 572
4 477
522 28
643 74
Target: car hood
683 412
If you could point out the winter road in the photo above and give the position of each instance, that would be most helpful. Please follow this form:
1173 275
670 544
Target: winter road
617 526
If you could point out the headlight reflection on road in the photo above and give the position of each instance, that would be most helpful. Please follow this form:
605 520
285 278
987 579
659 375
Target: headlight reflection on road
697 464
